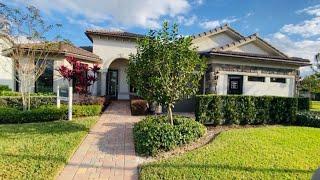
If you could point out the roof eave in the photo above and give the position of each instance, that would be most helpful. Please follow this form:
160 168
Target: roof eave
293 62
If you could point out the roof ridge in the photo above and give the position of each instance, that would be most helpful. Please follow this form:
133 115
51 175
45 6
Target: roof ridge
217 30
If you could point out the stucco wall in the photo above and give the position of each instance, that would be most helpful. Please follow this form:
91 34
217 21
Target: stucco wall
251 48
6 66
109 50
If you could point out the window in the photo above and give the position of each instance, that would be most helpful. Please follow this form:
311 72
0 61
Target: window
256 78
278 80
45 82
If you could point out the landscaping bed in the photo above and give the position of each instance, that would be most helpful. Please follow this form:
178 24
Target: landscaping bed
274 152
39 150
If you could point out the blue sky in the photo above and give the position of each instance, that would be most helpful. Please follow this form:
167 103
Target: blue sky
293 26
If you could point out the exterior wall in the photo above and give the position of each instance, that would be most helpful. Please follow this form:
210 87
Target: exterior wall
209 42
6 66
109 50
218 70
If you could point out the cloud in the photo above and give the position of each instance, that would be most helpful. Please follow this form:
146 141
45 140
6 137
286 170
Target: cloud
306 28
187 21
296 48
198 2
210 24
141 13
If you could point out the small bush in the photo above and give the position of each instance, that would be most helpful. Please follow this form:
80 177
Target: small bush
138 107
86 110
36 101
213 109
43 114
308 118
4 88
154 134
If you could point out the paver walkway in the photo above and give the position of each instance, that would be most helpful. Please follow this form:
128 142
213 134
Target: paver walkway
108 150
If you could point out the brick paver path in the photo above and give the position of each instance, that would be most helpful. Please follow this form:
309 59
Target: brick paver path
108 150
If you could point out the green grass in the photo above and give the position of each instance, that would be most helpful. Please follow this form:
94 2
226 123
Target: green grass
39 150
315 105
254 153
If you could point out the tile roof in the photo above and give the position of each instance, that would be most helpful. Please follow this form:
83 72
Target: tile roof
115 34
217 30
245 40
289 60
66 49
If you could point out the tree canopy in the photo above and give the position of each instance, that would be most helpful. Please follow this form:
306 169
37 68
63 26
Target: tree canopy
166 67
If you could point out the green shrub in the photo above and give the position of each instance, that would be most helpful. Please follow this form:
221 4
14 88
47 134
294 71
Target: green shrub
246 109
43 114
36 101
86 110
154 134
4 88
308 118
303 104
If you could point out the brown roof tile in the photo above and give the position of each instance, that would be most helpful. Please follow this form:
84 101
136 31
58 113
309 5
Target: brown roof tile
116 34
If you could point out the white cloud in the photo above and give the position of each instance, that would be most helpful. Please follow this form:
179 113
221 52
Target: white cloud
142 13
187 21
210 24
302 48
306 28
199 2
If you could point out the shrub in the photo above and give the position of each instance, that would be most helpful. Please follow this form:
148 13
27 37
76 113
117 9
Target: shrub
86 110
36 101
303 104
138 107
154 134
4 88
43 114
308 118
246 109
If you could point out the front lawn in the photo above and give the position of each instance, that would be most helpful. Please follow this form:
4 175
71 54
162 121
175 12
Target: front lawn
39 150
255 153
315 105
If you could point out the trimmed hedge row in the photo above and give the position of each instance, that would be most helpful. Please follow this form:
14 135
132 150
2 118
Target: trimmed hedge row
42 114
220 110
154 134
303 104
308 118
36 101
46 113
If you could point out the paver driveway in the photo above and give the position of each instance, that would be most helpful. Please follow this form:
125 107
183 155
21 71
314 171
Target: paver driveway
108 150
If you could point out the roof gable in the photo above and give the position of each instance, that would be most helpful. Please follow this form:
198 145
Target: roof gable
215 38
251 44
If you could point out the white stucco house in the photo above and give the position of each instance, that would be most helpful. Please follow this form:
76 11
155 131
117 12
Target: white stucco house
236 64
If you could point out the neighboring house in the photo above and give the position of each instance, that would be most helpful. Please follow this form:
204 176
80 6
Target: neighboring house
51 78
236 64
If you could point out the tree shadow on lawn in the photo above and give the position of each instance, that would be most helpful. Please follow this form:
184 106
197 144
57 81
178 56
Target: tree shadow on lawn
230 167
57 127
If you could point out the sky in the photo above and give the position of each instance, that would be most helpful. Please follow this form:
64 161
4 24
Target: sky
292 26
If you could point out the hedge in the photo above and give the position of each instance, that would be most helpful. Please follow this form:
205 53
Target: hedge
36 101
43 114
154 134
304 103
308 118
138 107
221 110
46 113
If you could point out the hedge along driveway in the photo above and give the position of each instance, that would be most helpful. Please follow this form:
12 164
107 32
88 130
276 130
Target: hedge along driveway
39 150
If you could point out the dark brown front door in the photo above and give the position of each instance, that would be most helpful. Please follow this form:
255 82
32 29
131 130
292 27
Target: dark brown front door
235 84
112 84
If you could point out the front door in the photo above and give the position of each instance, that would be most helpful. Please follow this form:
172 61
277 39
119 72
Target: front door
112 84
235 84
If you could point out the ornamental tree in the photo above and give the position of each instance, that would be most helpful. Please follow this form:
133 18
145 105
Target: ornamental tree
166 67
80 73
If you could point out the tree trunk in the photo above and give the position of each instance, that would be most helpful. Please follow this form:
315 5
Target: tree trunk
170 114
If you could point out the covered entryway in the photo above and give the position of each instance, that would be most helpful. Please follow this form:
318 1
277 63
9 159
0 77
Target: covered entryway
116 85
